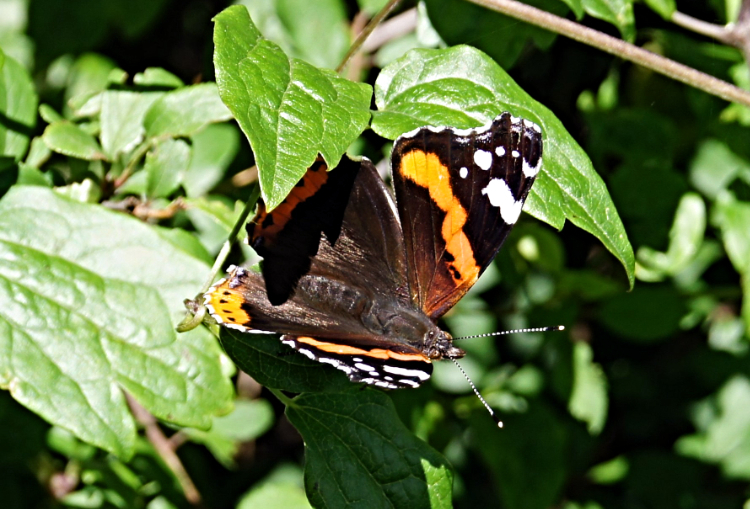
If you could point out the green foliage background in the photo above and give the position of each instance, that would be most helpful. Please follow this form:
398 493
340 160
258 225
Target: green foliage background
123 170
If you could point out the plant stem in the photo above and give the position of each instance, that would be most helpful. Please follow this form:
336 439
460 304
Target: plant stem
364 34
718 32
281 396
618 48
164 449
192 321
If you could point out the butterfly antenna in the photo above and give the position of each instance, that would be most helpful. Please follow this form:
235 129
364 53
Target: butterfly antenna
515 331
474 388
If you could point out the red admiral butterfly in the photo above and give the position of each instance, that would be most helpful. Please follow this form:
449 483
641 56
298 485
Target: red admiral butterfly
357 281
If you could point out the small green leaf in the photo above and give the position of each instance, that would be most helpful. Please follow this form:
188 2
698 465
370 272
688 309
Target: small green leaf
248 421
122 119
588 400
157 77
610 472
18 103
214 148
65 137
289 110
462 87
359 450
733 218
724 437
49 114
685 240
31 176
88 76
617 12
185 111
664 8
714 167
166 164
275 495
90 300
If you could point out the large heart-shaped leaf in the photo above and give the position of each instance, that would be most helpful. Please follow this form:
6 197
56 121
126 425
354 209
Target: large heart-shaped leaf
87 305
359 454
290 110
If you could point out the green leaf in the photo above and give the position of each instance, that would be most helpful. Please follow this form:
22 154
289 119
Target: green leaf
248 421
527 458
725 438
647 314
166 164
88 76
157 77
169 116
462 87
714 167
685 240
31 176
274 365
289 110
275 496
617 12
588 400
664 8
89 301
18 103
460 22
214 148
359 451
319 31
281 489
122 119
67 138
733 218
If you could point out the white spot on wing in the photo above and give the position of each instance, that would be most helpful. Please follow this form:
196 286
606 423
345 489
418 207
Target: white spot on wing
531 171
501 196
500 151
415 373
483 159
363 367
515 153
464 172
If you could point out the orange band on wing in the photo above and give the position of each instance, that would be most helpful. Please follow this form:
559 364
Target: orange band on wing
427 171
226 305
378 353
269 224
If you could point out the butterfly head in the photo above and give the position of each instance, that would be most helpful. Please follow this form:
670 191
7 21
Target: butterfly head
438 344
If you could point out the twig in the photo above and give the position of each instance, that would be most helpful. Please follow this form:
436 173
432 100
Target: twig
391 29
618 48
364 34
164 449
718 32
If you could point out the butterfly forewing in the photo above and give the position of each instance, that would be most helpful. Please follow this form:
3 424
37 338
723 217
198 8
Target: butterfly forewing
459 193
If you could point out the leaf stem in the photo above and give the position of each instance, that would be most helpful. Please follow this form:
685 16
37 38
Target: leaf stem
191 321
364 34
618 48
282 397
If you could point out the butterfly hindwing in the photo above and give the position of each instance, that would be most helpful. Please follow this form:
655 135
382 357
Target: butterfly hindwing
365 260
459 193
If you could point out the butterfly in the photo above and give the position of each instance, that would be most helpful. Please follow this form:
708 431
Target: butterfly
354 279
